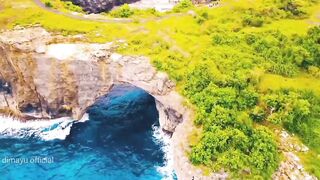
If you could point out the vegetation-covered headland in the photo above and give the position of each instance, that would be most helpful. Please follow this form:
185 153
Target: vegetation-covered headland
247 68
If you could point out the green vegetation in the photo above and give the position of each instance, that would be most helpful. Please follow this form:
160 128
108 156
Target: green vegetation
244 67
311 162
48 4
125 11
183 5
303 82
65 6
297 111
122 12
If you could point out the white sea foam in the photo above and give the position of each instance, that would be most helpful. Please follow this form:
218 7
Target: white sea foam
84 118
165 140
42 129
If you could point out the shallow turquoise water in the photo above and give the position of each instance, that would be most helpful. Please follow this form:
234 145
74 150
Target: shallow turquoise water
116 143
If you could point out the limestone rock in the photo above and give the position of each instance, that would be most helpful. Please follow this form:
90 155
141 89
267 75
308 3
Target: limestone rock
64 79
291 167
26 39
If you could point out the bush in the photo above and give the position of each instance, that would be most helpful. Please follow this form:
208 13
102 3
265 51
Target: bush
263 153
48 4
237 150
72 7
314 71
253 21
197 80
183 5
122 12
258 114
312 44
293 8
288 70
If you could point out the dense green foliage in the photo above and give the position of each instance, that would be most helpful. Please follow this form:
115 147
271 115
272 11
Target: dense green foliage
228 103
62 5
230 139
223 87
222 82
299 112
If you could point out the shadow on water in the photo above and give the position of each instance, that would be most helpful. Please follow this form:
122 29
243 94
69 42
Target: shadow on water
116 143
121 126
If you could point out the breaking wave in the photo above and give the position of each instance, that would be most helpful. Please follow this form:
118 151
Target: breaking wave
41 129
164 140
122 140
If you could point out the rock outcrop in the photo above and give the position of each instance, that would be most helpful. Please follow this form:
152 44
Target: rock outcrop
291 167
54 80
97 6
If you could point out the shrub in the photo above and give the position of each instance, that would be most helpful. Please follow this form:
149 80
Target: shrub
197 80
314 71
312 44
293 8
72 7
258 114
288 70
122 12
253 21
48 4
183 5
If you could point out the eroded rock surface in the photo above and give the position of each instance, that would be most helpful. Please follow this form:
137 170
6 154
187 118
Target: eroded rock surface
291 168
97 6
65 79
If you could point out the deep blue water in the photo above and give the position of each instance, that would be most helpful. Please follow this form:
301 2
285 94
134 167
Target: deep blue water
116 143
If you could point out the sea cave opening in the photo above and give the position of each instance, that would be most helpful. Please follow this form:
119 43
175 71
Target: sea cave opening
123 127
121 139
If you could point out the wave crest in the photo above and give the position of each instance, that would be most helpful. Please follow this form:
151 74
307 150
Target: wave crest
43 129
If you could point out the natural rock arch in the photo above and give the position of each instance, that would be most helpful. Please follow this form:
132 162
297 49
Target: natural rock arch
58 79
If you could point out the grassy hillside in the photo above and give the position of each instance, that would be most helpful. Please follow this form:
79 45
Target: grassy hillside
243 66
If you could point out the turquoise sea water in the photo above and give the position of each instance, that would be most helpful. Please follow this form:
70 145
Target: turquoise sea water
118 142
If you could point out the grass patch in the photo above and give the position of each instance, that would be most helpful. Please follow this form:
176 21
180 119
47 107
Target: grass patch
277 82
311 161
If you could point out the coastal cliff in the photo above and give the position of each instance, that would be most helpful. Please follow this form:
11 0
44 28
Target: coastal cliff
43 77
52 80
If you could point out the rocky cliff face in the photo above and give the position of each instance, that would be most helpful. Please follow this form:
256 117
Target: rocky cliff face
97 6
44 80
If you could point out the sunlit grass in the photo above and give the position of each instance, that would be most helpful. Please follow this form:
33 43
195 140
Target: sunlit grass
311 161
276 82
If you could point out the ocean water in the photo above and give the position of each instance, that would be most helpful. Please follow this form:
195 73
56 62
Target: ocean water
119 140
